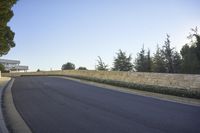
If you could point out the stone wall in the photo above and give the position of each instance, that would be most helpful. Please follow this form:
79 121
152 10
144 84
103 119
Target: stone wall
185 81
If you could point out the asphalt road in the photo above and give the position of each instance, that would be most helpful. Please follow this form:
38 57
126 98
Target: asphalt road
57 105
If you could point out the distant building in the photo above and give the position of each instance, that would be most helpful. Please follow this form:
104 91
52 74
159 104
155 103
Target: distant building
13 65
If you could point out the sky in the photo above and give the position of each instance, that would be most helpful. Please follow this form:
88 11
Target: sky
49 33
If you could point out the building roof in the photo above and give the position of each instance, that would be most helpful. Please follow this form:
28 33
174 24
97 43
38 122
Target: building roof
9 61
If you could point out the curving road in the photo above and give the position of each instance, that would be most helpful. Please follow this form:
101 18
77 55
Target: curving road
57 105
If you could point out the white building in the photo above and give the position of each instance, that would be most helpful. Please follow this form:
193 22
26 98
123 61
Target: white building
13 65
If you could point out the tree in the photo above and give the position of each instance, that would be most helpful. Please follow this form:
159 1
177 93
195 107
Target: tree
6 34
158 61
101 66
122 62
140 61
2 68
68 66
197 45
191 54
176 60
190 63
168 53
197 41
38 70
82 68
143 61
149 61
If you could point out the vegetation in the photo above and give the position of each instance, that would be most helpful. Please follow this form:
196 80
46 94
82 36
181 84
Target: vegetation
2 68
101 66
122 62
191 54
6 34
158 64
68 66
168 60
143 62
82 68
165 60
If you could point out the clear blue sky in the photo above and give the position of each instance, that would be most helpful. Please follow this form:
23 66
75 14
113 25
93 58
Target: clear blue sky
50 33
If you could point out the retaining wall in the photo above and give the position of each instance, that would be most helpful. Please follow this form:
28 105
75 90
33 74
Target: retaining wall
185 81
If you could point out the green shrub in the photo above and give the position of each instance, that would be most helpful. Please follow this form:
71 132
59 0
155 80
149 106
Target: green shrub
68 66
2 68
82 68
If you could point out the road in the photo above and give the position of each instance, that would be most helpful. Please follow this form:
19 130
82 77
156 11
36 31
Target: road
58 105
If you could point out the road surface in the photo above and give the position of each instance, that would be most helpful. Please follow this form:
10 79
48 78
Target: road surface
57 105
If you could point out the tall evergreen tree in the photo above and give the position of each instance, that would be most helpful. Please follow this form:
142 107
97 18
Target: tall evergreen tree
191 54
158 61
168 53
197 42
149 61
143 61
122 62
190 63
140 61
176 59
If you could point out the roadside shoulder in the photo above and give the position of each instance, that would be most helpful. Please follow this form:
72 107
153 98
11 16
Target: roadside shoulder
4 81
15 122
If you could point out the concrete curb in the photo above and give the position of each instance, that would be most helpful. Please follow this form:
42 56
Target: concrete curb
13 118
3 128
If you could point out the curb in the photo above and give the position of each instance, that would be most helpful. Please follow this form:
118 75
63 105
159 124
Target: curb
15 122
3 128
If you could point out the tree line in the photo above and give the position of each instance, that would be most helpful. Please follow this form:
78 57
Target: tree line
166 59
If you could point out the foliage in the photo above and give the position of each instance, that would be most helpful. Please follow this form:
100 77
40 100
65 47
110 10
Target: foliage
176 61
165 60
101 66
168 54
38 70
6 34
191 54
122 62
143 62
68 66
2 68
140 61
148 61
158 61
82 68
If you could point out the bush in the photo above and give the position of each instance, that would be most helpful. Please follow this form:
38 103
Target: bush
2 68
82 68
68 66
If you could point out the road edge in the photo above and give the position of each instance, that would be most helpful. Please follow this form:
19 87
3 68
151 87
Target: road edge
15 123
3 126
159 96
